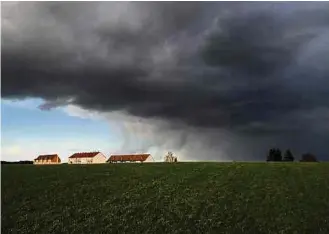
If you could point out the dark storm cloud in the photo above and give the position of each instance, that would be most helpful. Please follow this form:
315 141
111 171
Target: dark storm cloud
254 69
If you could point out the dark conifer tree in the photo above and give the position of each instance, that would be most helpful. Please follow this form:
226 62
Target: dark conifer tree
288 156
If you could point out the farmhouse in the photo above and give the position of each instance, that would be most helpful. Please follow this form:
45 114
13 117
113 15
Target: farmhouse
87 158
47 159
131 158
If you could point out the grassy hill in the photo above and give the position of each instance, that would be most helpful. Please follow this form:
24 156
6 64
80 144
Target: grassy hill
166 198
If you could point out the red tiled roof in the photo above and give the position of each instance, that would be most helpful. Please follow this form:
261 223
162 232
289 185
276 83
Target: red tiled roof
128 157
48 157
84 155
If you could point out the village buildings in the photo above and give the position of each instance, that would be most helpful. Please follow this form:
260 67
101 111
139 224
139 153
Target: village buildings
47 159
99 158
141 158
87 158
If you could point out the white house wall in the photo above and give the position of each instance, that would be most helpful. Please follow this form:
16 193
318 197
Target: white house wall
149 159
80 160
45 162
99 158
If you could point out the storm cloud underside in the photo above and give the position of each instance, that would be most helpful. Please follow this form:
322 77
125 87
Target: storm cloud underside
225 80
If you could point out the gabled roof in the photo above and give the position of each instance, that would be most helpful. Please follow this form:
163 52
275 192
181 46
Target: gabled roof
47 157
84 155
128 157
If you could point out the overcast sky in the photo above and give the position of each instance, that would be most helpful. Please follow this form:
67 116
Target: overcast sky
208 80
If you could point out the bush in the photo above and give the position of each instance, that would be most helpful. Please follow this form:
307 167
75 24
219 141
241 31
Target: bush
308 157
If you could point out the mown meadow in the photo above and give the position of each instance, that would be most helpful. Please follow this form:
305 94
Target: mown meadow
166 198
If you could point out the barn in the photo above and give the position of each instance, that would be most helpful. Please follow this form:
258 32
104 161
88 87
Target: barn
47 159
141 158
87 158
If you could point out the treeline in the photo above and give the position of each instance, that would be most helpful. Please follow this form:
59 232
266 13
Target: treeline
275 155
17 162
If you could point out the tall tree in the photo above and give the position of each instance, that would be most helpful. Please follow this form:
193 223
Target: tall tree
288 156
274 155
277 155
270 155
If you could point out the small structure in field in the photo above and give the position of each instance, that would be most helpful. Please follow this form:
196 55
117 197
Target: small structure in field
170 158
142 158
87 158
47 159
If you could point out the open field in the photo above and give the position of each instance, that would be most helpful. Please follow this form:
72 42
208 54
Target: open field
166 198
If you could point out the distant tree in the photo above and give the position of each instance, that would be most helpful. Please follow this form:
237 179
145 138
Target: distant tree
270 155
274 155
308 157
277 155
288 156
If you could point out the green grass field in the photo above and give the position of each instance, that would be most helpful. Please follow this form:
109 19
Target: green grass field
166 198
